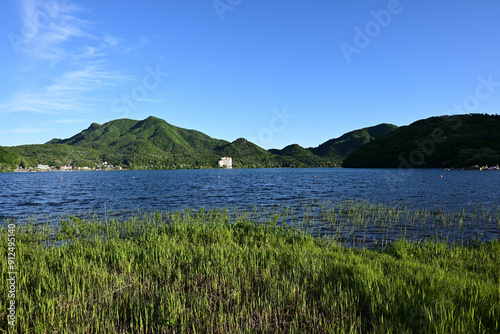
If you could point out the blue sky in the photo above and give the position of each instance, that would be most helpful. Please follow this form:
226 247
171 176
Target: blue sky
275 72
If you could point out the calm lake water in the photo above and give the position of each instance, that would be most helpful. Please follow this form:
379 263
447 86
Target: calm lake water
62 192
54 193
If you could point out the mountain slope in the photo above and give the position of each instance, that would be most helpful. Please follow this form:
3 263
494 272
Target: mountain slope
332 152
296 156
157 132
351 141
57 155
458 141
8 158
155 144
292 150
246 154
436 142
150 142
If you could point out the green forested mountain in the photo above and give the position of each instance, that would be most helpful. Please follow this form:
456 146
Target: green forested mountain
122 133
447 141
351 141
8 158
333 151
246 154
151 143
57 155
155 144
296 156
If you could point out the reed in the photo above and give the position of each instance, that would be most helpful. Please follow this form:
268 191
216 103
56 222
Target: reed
325 267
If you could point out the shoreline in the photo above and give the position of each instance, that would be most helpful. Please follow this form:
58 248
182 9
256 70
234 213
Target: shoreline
201 271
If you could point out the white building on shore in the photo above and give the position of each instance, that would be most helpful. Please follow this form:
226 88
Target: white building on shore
42 167
226 162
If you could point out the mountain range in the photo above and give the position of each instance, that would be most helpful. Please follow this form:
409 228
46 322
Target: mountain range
155 144
436 142
459 141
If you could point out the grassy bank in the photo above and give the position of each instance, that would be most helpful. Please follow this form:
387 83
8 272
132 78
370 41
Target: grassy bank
225 272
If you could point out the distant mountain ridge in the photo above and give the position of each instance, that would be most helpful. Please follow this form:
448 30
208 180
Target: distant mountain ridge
435 142
336 149
152 133
155 144
458 141
351 141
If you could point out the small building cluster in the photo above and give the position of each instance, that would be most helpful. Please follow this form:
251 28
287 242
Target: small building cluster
43 167
225 162
47 168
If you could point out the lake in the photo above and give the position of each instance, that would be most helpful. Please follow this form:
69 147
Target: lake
54 193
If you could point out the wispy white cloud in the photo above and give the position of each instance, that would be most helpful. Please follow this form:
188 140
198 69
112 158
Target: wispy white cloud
72 91
24 131
35 102
80 72
110 40
91 77
70 121
48 25
88 52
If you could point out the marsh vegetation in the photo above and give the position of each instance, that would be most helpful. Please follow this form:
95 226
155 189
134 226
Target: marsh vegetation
269 269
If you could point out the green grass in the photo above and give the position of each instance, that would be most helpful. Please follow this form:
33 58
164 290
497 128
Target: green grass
220 271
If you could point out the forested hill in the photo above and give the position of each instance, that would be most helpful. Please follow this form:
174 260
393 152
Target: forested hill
333 151
155 144
8 158
448 141
150 143
122 133
351 141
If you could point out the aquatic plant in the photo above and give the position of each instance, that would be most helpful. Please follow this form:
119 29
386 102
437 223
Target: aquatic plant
273 269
